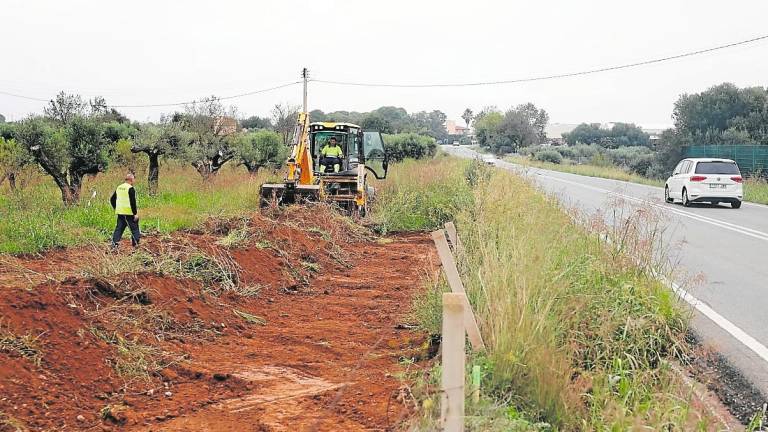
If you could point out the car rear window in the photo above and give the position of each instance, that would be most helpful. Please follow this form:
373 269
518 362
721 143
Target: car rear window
717 168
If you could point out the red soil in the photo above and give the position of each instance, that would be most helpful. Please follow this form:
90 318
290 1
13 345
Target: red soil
325 360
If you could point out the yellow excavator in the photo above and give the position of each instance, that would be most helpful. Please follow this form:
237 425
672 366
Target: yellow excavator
344 184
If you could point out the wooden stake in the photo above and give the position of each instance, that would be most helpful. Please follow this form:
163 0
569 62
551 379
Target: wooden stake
454 281
452 400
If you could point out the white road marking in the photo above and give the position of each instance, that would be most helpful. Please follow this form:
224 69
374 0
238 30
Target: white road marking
720 320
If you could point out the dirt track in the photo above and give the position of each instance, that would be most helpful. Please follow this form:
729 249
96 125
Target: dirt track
326 359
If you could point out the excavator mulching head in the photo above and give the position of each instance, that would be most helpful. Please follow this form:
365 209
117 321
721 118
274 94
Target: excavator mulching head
288 193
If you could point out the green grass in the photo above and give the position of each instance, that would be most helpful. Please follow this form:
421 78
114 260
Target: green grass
755 190
34 219
410 199
579 337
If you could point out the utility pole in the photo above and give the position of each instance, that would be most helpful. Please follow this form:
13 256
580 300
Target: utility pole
305 76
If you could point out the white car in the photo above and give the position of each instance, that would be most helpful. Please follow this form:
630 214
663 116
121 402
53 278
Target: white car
705 180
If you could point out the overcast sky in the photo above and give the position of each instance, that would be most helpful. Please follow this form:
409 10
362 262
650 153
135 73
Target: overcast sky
148 52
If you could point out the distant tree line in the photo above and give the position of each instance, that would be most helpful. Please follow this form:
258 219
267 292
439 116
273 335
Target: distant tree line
391 120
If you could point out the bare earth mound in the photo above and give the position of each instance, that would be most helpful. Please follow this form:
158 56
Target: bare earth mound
263 324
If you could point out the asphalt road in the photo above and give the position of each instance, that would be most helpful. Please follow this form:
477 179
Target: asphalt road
726 248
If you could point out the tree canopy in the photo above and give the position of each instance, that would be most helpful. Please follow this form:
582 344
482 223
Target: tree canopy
256 122
521 126
619 135
723 115
409 145
261 149
390 120
211 126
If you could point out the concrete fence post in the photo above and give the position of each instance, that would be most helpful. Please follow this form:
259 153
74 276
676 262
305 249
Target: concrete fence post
452 400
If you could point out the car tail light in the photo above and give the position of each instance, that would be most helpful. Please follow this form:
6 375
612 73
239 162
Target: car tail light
698 178
737 179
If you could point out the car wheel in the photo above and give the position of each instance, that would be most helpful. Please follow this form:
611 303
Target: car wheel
736 204
667 198
686 201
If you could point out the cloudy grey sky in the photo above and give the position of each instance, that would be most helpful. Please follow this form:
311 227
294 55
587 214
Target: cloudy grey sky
147 52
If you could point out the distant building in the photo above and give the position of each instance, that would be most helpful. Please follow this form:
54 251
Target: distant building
225 125
454 129
653 134
555 131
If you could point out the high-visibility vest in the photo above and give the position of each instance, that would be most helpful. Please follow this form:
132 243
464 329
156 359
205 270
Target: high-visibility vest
331 151
123 202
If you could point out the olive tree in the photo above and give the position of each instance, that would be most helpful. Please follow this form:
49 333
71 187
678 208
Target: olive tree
67 152
212 128
260 149
155 140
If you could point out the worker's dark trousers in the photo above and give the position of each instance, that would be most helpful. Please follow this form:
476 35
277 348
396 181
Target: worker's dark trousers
328 163
124 221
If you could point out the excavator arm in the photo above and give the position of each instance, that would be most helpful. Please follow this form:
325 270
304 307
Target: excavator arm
300 183
300 162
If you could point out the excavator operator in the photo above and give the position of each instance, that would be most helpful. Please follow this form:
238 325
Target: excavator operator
331 154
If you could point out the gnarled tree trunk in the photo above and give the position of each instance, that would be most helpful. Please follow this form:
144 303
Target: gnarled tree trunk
153 177
11 180
210 167
252 168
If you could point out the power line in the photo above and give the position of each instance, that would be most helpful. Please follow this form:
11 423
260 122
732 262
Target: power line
220 98
23 97
550 77
167 104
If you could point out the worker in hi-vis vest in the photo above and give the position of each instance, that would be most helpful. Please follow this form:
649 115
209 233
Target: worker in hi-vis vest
124 203
331 156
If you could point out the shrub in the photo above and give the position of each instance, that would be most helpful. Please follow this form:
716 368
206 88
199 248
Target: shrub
530 150
566 152
549 156
585 151
600 160
627 156
409 145
641 164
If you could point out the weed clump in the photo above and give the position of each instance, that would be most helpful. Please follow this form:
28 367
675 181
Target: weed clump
134 360
423 196
26 346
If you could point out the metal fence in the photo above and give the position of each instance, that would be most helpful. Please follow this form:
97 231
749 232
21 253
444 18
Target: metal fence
753 160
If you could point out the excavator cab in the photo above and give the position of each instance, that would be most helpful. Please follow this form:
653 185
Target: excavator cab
359 147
